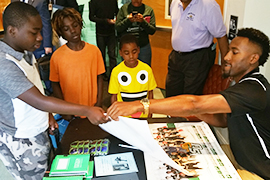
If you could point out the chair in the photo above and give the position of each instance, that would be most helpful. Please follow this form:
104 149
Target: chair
213 84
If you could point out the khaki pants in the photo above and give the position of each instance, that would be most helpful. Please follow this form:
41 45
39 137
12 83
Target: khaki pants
244 174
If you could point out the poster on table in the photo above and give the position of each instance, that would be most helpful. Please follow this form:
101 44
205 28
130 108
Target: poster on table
193 147
186 150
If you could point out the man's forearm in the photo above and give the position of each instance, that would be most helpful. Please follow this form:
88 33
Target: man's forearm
223 46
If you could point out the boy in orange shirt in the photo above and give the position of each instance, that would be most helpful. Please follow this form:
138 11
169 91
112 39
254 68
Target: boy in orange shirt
76 67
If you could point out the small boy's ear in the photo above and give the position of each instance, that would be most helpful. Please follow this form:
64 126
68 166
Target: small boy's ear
120 52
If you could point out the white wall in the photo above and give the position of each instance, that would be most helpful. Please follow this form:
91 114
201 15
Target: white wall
251 13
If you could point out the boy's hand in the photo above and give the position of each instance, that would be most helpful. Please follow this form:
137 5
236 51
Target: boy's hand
52 124
96 115
124 109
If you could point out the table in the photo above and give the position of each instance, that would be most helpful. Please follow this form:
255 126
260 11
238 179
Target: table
82 129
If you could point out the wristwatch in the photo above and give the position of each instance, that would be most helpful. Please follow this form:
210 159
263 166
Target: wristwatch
145 102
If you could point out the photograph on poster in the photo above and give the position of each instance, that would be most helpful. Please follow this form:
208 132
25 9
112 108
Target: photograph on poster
233 27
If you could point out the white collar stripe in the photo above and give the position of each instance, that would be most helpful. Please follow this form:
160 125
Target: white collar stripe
254 79
259 137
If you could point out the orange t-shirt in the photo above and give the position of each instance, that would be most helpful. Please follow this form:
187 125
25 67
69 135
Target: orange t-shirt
77 72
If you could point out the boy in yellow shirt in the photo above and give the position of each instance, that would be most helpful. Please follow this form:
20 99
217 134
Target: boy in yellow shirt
132 79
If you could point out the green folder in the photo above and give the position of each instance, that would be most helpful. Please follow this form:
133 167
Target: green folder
64 178
70 165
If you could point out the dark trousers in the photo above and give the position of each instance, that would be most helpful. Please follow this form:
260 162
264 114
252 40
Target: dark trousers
145 54
187 72
108 41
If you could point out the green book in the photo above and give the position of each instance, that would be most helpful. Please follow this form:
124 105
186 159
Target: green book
64 178
90 171
70 165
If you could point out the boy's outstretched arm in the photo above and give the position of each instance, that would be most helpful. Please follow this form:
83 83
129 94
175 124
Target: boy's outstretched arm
34 98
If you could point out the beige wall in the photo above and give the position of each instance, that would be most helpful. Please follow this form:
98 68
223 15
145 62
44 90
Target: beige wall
3 4
161 40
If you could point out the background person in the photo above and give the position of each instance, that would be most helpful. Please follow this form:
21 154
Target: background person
66 3
103 13
243 107
194 25
138 19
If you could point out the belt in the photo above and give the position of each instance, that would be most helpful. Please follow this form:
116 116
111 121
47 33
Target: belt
194 51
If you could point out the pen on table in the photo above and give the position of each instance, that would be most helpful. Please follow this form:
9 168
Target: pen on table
127 146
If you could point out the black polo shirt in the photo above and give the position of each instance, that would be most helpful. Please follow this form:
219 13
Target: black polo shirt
249 122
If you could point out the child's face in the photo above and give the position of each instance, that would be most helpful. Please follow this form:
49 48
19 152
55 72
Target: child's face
71 30
28 36
130 53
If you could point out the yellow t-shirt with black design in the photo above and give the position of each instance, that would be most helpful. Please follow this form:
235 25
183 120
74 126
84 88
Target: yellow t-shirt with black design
132 84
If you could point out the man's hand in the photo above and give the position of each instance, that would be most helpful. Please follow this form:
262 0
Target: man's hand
124 109
96 115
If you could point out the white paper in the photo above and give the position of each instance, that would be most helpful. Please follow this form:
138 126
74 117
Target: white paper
112 164
62 164
136 133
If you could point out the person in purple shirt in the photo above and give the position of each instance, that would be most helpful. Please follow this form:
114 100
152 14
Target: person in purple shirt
194 25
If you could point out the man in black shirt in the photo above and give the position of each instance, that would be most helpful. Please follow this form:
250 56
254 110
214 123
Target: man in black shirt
103 13
243 107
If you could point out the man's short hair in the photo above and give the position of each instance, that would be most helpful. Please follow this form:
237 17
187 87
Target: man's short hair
259 38
61 14
128 38
16 14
